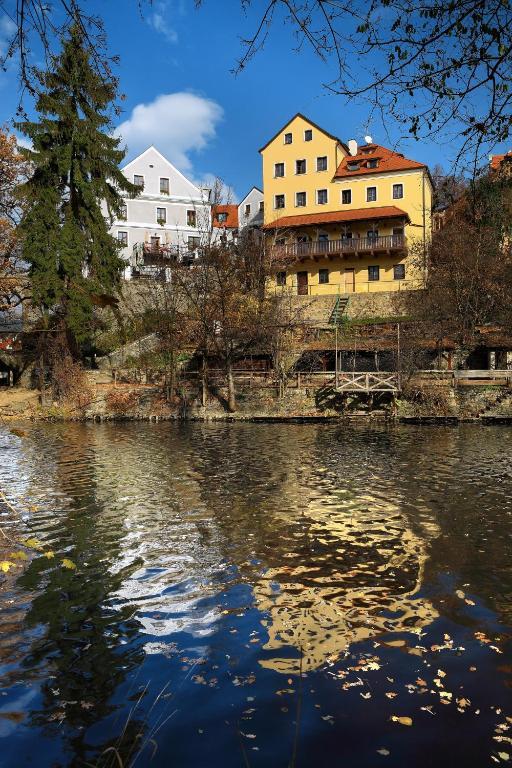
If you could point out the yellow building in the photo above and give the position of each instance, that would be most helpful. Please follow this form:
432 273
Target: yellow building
342 218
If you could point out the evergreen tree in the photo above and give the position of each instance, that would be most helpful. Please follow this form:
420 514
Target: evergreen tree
74 191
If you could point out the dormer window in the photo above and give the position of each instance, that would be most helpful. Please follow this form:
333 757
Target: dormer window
288 138
373 163
352 166
222 217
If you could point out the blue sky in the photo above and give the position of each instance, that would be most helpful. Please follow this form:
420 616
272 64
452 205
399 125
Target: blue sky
181 95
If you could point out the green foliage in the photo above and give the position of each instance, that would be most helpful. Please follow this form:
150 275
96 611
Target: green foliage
75 181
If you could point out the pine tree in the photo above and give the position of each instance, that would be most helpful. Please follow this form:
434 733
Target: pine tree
74 191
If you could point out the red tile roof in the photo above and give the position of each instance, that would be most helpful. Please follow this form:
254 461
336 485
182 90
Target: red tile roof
232 218
496 160
388 161
358 214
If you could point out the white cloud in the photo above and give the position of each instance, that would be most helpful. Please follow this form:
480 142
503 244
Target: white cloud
7 32
175 123
23 141
158 21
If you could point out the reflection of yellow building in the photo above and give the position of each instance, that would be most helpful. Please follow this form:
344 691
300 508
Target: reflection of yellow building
364 585
342 218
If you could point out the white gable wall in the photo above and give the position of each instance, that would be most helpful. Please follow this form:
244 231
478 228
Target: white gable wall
141 221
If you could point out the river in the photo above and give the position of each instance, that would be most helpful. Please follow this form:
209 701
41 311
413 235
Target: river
231 594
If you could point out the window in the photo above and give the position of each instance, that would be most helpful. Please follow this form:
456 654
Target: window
371 194
155 243
300 166
193 242
123 211
398 230
321 163
222 217
122 238
347 235
281 278
346 196
248 210
164 186
300 199
353 166
262 206
373 273
372 234
138 181
279 201
399 271
308 134
323 276
373 163
398 191
161 215
321 196
279 170
288 138
191 218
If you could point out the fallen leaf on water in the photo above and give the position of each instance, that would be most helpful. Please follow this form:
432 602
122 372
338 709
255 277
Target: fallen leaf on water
422 683
460 594
49 554
395 643
440 673
18 555
67 563
401 720
18 432
504 755
383 751
33 543
391 694
366 695
5 565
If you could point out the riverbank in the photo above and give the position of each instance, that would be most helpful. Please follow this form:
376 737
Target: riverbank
110 401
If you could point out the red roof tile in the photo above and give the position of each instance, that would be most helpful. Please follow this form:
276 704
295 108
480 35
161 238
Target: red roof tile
496 160
232 216
388 161
358 214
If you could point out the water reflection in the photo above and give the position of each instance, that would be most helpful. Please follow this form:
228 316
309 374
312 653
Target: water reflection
316 538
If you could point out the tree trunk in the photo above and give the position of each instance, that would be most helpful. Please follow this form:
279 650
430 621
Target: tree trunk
203 381
231 389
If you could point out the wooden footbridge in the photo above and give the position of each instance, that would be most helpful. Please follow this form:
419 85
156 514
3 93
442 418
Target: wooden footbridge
379 381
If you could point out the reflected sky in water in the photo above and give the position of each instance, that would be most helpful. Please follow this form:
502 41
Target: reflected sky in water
257 594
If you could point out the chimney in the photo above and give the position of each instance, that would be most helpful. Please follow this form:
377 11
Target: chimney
352 147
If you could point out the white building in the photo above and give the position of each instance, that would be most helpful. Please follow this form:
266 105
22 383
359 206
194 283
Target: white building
250 210
169 218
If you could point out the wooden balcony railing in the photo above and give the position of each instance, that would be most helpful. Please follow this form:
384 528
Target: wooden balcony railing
342 245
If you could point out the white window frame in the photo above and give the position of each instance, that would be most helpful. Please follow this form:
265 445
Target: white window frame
372 186
276 207
160 185
302 192
395 183
160 208
349 189
322 190
284 170
326 166
123 232
143 180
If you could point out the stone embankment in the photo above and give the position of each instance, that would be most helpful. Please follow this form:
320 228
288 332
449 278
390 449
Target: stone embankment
109 400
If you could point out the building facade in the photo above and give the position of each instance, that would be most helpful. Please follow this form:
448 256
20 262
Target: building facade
169 219
343 218
250 210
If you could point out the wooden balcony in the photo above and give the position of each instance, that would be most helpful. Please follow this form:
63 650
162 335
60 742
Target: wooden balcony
357 246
